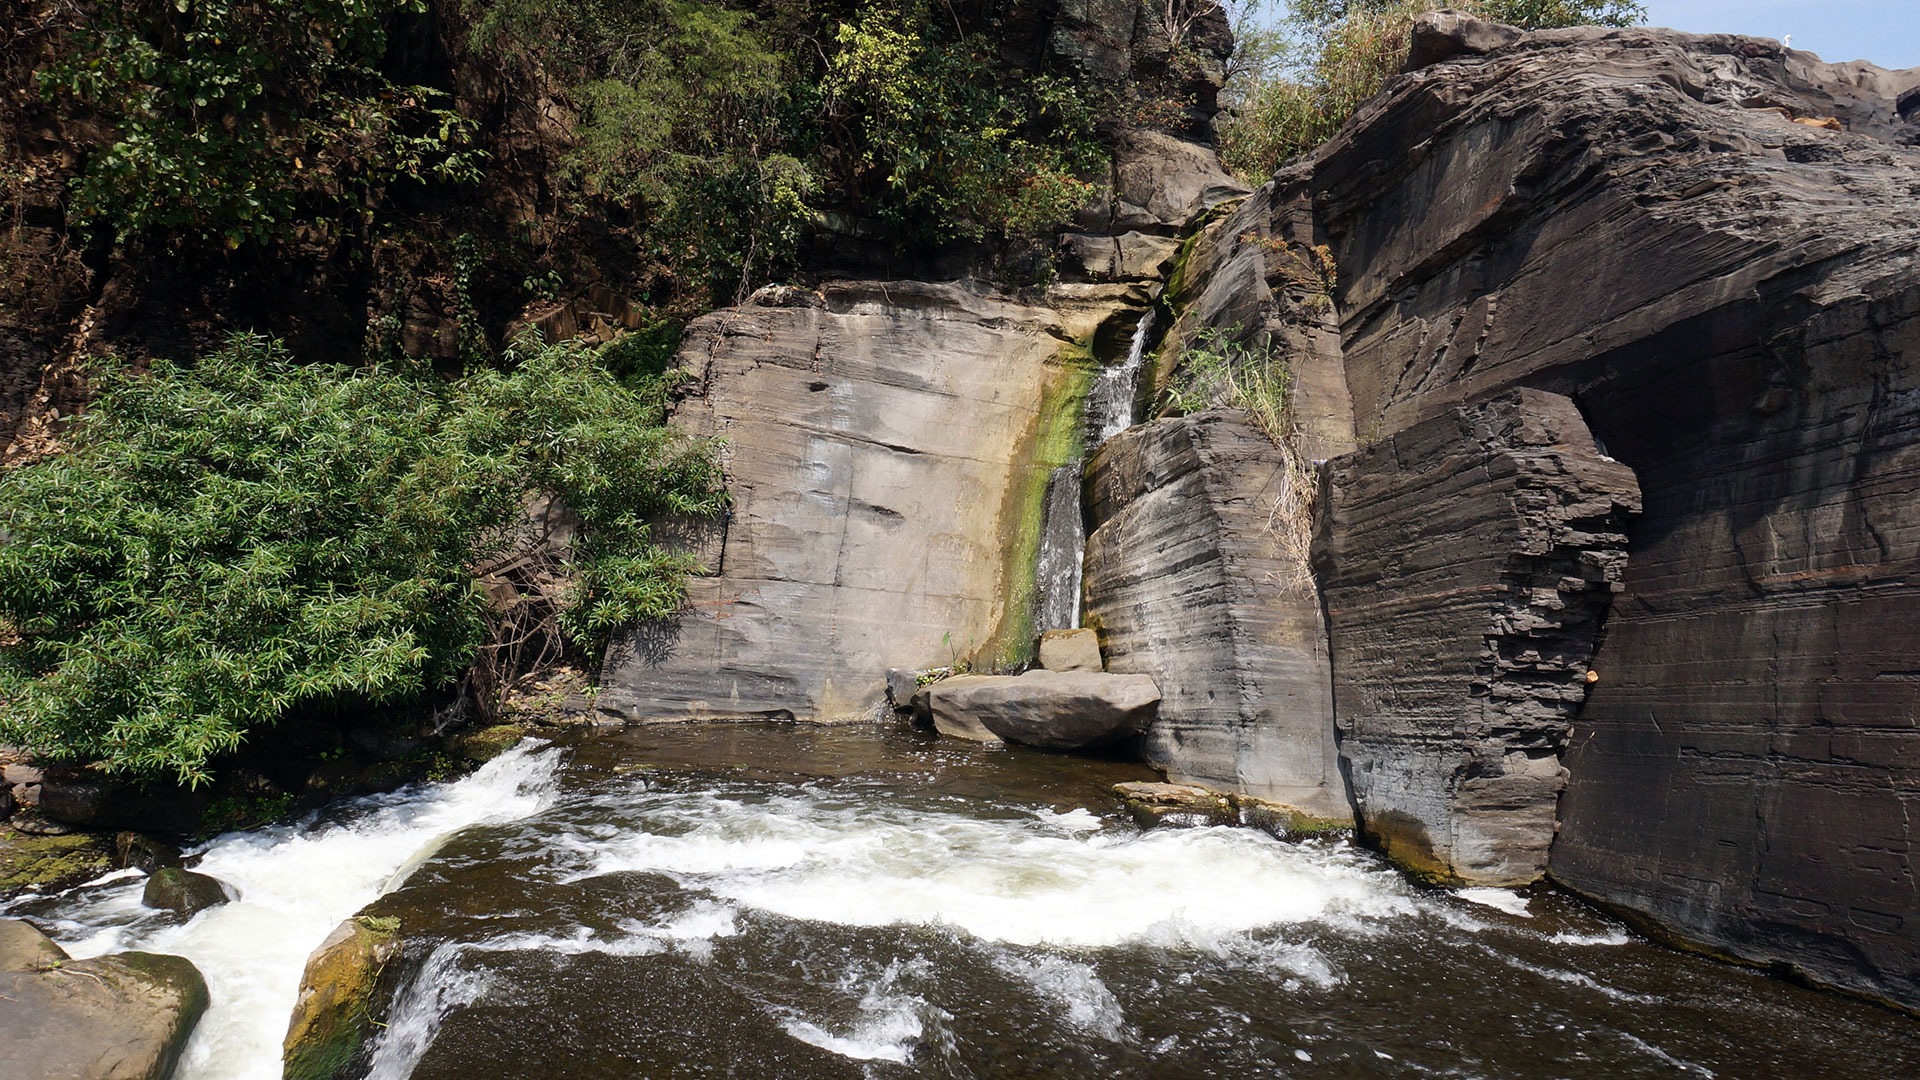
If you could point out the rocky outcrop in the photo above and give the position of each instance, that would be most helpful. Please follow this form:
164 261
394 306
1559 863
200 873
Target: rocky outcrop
120 1017
888 447
1466 564
330 1025
1708 242
1195 577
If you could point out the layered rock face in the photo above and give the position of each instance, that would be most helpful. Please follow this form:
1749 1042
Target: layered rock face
887 448
1466 564
1191 579
1709 244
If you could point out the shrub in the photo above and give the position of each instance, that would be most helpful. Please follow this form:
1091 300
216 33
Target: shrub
237 120
231 540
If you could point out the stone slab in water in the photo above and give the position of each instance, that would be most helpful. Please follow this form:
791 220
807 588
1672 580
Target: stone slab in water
1052 710
120 1017
1466 564
1189 582
23 947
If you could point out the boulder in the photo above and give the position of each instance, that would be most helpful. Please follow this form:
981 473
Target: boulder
330 1024
934 706
1442 35
1070 650
1053 710
1164 184
24 948
171 888
1131 256
120 1017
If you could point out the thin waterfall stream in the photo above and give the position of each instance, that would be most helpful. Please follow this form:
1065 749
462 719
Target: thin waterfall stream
869 902
1112 406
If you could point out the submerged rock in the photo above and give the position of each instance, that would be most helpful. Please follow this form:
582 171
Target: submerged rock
1153 804
1071 650
171 888
1052 710
330 1023
120 1017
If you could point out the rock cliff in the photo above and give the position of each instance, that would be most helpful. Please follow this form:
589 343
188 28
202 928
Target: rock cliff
1707 244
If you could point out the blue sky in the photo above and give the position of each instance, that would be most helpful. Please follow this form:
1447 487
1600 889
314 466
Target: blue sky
1886 32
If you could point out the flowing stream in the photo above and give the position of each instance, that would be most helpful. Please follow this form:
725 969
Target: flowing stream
788 902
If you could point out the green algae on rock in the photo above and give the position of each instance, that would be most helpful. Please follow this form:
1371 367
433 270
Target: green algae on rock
330 1021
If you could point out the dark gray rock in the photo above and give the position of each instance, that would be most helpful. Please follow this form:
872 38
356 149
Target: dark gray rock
24 948
1191 579
933 707
1466 564
1163 184
119 1017
1052 710
171 888
143 853
1634 218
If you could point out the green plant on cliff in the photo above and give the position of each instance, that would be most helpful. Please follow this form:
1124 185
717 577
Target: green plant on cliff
240 120
1335 54
230 540
1217 368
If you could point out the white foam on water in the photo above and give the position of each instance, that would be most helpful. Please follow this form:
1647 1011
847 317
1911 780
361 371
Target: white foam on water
1029 880
1083 999
1662 1055
436 990
1614 936
888 1023
295 884
1499 899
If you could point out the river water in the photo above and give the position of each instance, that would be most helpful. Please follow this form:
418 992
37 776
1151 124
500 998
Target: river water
773 901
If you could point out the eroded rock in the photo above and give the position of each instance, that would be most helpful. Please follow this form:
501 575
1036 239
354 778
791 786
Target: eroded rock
24 948
120 1017
330 1024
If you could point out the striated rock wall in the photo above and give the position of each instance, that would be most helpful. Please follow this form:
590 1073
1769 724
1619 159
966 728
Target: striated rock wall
1191 578
1709 243
1466 564
888 447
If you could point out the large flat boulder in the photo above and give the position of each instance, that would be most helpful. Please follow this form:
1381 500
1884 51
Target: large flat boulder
1193 581
1052 710
120 1017
888 446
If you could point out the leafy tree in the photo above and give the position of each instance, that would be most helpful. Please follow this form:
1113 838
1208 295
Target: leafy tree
1338 53
229 541
237 120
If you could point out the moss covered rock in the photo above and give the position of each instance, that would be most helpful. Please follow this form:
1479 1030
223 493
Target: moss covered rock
330 1021
51 862
484 744
172 889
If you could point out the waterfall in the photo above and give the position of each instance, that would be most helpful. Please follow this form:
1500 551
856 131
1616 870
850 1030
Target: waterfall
1112 407
1114 402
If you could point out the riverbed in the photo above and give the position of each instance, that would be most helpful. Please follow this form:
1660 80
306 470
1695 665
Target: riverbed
779 901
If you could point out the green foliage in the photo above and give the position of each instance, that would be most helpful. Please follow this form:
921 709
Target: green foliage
1216 369
236 539
237 120
1332 55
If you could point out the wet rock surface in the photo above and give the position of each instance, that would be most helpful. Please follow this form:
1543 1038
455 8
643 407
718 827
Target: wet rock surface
1192 581
172 889
1466 564
119 1017
24 948
330 1027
